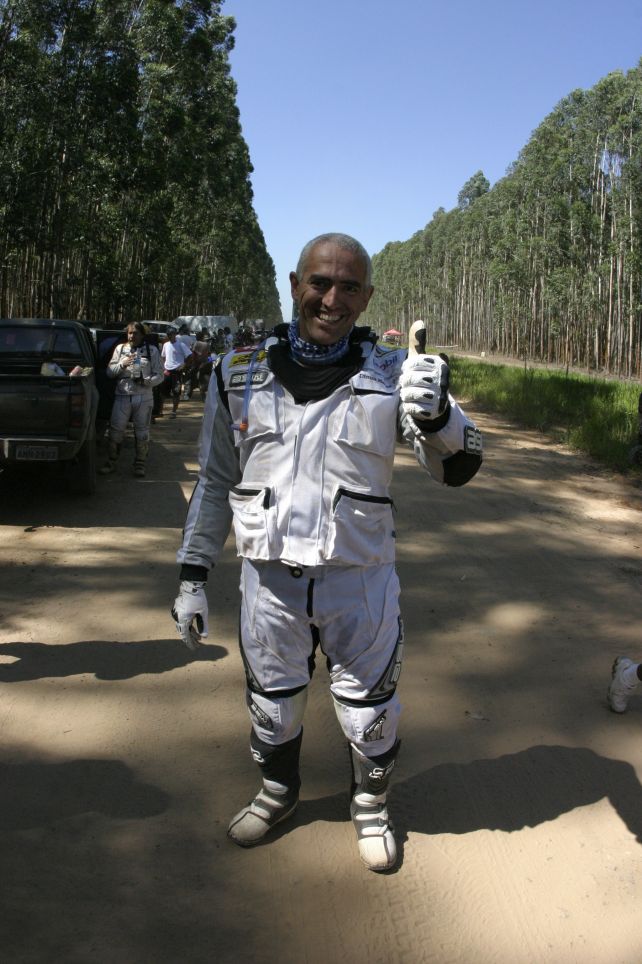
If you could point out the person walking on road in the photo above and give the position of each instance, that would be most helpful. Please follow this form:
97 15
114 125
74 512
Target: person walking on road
200 352
297 449
186 336
625 679
137 367
176 355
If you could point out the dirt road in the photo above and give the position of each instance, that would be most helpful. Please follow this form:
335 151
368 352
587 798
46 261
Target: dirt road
518 796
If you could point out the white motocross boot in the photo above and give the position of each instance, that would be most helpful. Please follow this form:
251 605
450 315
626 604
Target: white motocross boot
272 804
368 809
278 796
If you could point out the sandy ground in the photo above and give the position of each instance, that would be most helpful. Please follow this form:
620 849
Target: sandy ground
517 799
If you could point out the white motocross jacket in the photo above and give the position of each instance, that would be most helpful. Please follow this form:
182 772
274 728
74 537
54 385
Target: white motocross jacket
308 484
151 369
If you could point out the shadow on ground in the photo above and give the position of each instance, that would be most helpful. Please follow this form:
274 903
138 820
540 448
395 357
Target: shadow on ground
104 659
509 793
36 794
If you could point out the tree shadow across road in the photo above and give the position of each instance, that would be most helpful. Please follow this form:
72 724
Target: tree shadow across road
515 791
509 793
104 659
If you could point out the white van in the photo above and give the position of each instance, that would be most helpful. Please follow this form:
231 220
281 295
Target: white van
196 323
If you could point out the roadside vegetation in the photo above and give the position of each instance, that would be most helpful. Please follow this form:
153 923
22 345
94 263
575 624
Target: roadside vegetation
592 415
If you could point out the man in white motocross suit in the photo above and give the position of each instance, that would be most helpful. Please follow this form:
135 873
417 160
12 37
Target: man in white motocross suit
297 450
136 366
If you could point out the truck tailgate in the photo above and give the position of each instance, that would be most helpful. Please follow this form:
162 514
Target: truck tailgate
33 406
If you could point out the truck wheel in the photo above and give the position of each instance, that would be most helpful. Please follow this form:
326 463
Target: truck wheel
82 471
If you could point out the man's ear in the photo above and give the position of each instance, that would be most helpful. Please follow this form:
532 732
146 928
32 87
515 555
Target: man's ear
294 284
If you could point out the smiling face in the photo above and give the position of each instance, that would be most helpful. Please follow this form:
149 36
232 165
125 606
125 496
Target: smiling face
331 293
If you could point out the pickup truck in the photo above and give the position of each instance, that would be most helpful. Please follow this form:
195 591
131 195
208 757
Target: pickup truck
48 397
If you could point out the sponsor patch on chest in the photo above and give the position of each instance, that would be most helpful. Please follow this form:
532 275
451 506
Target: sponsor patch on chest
240 378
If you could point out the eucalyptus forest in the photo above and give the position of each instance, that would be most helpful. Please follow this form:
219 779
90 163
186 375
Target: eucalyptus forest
124 177
547 264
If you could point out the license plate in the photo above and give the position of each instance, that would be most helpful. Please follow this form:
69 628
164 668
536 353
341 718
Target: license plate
36 453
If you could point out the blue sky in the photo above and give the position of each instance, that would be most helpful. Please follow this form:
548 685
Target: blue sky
365 116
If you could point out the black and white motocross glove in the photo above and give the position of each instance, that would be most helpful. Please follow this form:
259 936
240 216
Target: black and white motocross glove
424 387
190 613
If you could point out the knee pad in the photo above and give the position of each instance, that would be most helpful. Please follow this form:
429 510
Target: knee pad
371 729
277 720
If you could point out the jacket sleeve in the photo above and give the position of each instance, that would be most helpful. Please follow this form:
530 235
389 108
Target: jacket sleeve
113 369
448 448
209 516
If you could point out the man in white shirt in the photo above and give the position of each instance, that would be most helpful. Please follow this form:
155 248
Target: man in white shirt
175 356
186 336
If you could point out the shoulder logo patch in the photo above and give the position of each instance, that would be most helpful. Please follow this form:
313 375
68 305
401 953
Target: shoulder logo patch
245 357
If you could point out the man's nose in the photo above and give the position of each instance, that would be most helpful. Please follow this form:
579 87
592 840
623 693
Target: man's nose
331 297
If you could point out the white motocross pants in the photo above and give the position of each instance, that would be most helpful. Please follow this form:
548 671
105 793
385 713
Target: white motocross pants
138 408
352 614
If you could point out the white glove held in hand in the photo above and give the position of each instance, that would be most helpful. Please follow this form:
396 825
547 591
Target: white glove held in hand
190 613
424 386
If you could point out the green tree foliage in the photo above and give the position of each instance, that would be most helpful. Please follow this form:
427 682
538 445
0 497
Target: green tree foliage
474 187
546 265
124 177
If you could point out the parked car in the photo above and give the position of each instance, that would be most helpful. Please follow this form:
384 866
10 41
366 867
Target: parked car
48 397
93 327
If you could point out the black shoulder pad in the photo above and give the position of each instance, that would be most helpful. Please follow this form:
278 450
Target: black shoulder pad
460 468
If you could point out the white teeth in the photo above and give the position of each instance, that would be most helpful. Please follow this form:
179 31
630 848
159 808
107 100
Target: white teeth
323 316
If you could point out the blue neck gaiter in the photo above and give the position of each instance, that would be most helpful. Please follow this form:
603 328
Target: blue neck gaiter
305 351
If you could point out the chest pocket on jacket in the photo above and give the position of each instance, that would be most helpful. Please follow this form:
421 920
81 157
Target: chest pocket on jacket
369 423
254 521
